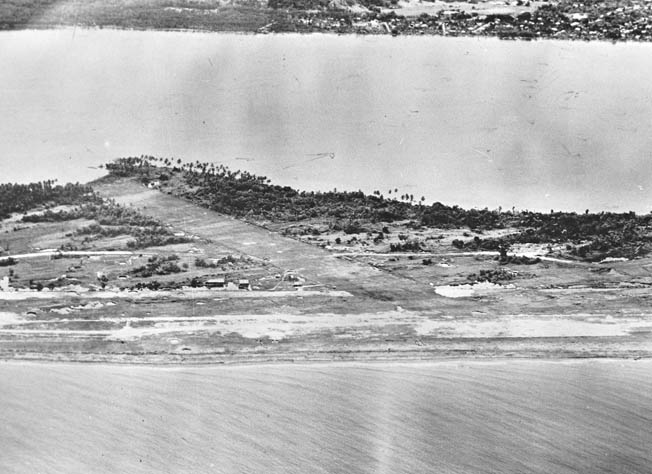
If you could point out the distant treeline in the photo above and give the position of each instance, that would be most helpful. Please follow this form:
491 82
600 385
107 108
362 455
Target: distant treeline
612 20
588 236
23 197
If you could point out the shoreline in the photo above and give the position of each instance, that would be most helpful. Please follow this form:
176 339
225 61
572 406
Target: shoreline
370 359
329 33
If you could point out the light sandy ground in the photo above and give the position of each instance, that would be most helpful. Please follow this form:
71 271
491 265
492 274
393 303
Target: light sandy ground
520 326
468 290
75 253
281 326
417 7
8 318
531 253
180 294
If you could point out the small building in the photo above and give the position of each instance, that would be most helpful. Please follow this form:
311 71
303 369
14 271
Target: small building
244 284
4 284
219 282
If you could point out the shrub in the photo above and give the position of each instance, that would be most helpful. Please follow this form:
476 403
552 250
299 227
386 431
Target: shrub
5 262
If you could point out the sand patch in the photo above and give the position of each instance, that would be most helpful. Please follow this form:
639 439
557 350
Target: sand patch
518 326
467 290
8 318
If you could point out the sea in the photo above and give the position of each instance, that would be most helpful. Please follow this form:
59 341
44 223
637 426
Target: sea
461 417
475 122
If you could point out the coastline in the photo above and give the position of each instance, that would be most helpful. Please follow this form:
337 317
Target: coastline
328 358
323 363
327 33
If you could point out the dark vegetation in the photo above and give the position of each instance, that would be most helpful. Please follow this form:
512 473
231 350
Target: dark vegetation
6 262
613 20
158 265
596 20
242 194
590 237
586 236
407 246
24 197
491 276
221 262
519 260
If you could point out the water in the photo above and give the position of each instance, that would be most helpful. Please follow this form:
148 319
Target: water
476 122
453 417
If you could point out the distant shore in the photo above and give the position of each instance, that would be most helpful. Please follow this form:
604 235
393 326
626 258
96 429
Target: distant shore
524 20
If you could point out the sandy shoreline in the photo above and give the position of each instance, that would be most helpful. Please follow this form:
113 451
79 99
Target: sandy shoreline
337 363
168 361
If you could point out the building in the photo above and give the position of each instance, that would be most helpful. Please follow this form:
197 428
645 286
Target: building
219 282
243 284
4 284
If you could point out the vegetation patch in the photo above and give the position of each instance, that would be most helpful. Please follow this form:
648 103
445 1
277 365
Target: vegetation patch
157 265
25 197
113 220
492 276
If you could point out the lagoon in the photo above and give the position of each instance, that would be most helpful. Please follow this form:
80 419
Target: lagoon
468 121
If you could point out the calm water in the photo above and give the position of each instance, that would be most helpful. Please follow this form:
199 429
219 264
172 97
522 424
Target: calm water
477 122
499 417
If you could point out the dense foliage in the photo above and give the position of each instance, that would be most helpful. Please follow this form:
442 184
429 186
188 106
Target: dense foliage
242 194
24 197
158 265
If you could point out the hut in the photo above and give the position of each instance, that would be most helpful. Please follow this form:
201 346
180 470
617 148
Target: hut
218 282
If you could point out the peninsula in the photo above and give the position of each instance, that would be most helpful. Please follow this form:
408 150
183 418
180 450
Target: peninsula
163 261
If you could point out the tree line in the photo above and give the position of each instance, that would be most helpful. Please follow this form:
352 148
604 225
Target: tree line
24 197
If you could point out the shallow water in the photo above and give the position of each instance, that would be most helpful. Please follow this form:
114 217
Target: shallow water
475 122
453 417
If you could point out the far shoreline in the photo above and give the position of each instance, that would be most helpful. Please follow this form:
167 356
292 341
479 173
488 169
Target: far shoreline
325 33
369 361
